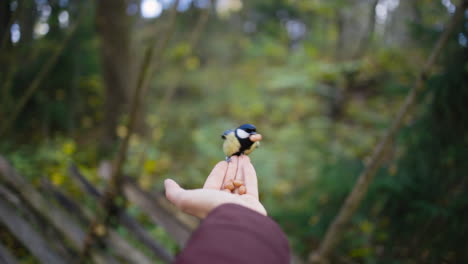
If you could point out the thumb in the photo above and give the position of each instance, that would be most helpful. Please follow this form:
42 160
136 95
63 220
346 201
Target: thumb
173 191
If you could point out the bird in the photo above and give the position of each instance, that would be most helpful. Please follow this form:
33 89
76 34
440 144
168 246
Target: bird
242 140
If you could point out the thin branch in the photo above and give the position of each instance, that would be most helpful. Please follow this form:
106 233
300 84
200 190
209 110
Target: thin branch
193 43
142 86
335 232
129 222
341 97
45 70
200 26
114 188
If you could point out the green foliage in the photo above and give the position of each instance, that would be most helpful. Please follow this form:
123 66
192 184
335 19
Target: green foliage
320 118
432 220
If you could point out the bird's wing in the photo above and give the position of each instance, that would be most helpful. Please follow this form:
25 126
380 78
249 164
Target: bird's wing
227 132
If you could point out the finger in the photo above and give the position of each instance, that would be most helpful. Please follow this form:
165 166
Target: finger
231 170
193 202
250 177
242 190
174 192
215 179
239 178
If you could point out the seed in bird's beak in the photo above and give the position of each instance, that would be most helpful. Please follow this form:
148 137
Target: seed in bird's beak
255 137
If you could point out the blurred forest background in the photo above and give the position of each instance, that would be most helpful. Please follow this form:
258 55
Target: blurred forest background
321 80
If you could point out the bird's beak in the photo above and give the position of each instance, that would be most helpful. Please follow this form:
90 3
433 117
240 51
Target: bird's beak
255 137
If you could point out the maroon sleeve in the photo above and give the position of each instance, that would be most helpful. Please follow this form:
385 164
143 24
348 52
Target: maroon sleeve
235 234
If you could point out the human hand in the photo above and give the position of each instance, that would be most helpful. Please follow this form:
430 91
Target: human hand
199 202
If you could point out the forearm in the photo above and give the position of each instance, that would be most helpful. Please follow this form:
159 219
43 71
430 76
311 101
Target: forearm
234 234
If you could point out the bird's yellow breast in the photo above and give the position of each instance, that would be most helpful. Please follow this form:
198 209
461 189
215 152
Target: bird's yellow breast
231 145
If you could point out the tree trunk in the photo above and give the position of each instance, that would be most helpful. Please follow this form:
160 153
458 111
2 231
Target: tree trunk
113 26
397 32
5 15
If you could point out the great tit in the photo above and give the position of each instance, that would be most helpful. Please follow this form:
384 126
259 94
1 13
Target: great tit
242 140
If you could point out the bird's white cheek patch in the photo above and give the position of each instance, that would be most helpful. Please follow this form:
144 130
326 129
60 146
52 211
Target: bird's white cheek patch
242 134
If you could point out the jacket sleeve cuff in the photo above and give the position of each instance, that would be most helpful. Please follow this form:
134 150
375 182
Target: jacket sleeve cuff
232 233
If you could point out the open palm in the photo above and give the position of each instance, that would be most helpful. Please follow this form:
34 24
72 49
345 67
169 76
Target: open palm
199 202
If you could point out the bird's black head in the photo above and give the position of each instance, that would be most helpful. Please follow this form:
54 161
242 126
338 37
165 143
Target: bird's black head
251 129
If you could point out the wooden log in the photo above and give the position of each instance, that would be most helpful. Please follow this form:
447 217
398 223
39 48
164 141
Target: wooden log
125 219
50 234
122 248
145 238
63 223
6 257
161 205
186 220
28 236
179 230
57 218
83 183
